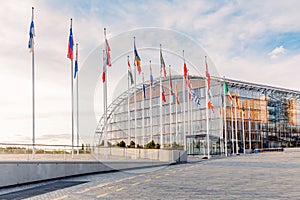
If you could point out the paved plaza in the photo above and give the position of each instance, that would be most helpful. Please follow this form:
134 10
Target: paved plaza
262 176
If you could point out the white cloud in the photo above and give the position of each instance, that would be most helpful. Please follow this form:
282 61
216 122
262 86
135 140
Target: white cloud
276 52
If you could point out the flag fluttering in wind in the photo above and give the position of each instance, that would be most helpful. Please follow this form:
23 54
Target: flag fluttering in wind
104 68
185 70
70 44
211 106
107 52
31 34
76 62
163 95
207 75
129 71
151 76
144 87
237 102
170 80
195 98
163 65
177 96
226 91
137 59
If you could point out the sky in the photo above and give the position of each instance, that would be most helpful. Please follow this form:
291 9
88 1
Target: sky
255 41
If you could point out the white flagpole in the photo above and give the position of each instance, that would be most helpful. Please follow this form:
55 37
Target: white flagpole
184 107
161 108
151 124
232 134
72 96
77 107
128 105
188 110
33 88
170 107
207 119
249 124
236 128
225 122
176 113
135 113
143 113
105 100
244 143
191 108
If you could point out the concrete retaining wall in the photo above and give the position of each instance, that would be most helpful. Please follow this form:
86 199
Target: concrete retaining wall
18 172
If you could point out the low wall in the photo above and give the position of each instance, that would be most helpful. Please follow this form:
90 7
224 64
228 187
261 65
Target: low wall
291 150
20 172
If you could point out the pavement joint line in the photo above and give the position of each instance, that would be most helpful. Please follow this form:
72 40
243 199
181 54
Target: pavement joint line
111 187
102 195
119 189
100 185
142 175
83 191
174 172
137 183
60 198
148 180
157 176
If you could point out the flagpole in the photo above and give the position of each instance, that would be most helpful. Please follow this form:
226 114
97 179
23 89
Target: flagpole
135 113
72 97
143 111
236 128
105 104
225 122
191 108
207 119
249 124
161 107
232 134
128 106
244 143
151 124
184 106
170 106
176 113
33 93
77 110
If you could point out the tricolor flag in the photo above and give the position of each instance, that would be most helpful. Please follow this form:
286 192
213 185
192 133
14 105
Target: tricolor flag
163 94
207 75
226 91
70 44
151 76
130 77
31 34
163 65
76 62
137 59
107 52
104 68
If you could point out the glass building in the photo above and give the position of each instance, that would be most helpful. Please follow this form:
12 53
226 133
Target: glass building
253 116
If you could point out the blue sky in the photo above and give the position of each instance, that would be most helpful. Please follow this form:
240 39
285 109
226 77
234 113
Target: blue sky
255 41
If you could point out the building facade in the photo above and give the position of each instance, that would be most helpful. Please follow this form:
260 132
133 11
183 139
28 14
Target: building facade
253 116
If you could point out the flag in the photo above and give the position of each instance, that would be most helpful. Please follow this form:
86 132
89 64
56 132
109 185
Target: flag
163 65
107 52
70 44
129 72
163 94
211 106
188 83
207 75
104 68
103 75
195 98
177 96
185 70
170 80
76 64
31 35
144 87
137 59
151 77
237 102
226 91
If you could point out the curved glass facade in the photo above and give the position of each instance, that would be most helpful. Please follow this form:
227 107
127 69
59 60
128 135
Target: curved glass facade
258 116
